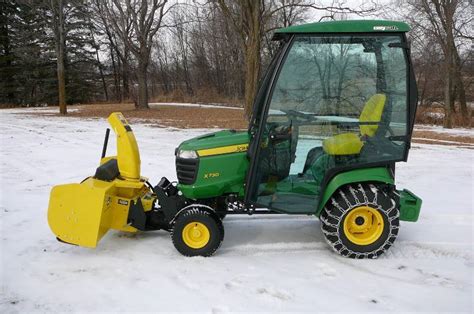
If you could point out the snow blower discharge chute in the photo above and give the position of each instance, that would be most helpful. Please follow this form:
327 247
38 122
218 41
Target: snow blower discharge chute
309 150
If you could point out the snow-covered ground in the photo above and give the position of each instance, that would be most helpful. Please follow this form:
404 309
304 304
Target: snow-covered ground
179 104
270 263
440 129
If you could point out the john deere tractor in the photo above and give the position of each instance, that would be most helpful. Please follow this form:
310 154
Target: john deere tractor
333 115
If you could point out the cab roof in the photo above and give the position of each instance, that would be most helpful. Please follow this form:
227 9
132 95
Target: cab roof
345 26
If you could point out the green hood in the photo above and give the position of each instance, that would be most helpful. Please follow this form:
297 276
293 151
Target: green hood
217 139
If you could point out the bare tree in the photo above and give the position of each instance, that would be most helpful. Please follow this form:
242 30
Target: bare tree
446 22
136 22
291 13
118 50
247 19
58 26
251 18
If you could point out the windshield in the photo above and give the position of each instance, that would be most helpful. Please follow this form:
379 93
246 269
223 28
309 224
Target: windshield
262 89
336 75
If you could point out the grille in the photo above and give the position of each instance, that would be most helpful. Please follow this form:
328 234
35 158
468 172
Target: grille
186 169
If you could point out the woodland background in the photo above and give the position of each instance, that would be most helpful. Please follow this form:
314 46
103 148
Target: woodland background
63 52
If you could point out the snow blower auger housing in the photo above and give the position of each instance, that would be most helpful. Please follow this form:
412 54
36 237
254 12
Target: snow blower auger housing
334 113
116 197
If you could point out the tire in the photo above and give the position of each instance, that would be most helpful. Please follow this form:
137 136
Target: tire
361 220
220 207
221 215
197 232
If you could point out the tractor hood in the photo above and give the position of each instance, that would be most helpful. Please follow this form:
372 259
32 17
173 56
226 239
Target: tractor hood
219 139
213 164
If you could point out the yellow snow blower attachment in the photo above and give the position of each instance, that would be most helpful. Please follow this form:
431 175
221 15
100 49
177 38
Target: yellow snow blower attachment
116 197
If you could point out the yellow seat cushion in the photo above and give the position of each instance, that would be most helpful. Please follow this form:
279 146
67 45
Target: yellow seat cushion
372 112
350 143
343 144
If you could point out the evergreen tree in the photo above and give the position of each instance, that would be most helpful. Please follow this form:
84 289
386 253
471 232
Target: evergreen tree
28 55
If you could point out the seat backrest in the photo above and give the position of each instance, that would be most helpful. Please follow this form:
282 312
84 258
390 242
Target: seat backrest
372 112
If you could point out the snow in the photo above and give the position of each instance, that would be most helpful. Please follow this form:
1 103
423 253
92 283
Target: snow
42 110
436 115
436 141
440 129
179 104
266 263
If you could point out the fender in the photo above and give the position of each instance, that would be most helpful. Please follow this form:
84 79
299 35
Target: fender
379 174
209 209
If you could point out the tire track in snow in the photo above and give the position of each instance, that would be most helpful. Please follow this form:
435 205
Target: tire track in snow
424 277
411 251
273 248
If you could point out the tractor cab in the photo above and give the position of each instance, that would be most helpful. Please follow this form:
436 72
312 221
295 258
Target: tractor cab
339 96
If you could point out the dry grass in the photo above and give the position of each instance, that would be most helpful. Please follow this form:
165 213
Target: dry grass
170 116
203 95
434 115
432 137
223 118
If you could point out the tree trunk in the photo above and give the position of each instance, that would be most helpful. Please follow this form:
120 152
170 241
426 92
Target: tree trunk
6 62
450 48
252 71
252 56
125 80
60 49
452 97
102 77
164 78
249 25
422 87
142 102
460 89
448 123
118 92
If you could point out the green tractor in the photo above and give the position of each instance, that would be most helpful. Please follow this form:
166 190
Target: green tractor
333 114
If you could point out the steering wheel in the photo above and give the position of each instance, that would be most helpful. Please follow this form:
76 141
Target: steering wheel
296 113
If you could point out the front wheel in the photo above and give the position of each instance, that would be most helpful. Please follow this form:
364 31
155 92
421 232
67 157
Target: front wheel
197 232
361 220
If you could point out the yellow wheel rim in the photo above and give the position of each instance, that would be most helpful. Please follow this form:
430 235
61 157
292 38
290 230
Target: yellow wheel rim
363 225
196 235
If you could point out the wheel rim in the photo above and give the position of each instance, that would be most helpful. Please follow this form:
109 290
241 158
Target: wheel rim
196 235
363 225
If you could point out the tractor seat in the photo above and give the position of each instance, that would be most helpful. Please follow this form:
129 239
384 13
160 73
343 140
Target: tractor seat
351 143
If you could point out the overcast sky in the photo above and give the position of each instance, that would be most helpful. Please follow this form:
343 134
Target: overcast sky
315 15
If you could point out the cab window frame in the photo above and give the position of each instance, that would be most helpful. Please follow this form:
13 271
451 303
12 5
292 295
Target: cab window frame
263 112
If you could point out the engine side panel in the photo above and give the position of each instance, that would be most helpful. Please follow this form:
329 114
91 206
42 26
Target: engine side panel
217 175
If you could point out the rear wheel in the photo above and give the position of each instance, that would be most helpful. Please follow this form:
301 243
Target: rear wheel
197 232
361 220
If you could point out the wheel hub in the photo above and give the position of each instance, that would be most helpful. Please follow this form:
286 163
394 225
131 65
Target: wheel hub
363 225
196 235
359 220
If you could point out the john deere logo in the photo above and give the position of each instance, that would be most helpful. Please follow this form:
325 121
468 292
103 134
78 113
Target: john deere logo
386 28
122 202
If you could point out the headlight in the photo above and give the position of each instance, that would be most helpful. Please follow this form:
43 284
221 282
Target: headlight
187 154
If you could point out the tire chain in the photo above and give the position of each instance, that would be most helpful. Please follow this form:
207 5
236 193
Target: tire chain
326 214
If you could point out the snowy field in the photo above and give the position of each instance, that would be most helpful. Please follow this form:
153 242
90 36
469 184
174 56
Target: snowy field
270 263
